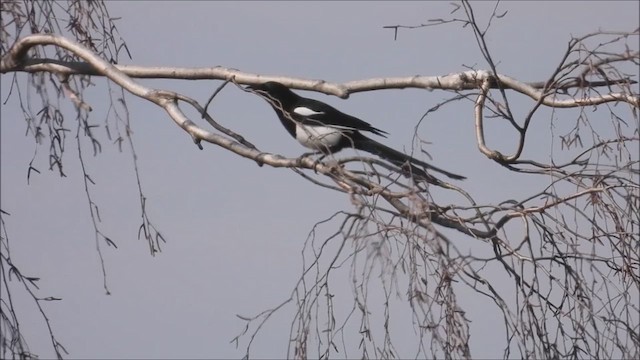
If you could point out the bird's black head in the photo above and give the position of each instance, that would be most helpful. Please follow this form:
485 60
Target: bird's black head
271 87
274 90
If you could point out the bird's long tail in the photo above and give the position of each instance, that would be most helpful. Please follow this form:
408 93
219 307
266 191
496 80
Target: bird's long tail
397 158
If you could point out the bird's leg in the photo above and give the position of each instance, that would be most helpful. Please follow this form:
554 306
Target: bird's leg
318 160
333 163
310 154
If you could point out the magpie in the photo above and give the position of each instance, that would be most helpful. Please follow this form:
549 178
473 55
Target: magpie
323 128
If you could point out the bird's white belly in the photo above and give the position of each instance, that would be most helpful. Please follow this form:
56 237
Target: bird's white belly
318 137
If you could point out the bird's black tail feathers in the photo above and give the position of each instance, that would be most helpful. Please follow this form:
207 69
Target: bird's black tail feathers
403 161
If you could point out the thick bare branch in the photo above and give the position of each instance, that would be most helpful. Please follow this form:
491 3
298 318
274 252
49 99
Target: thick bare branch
14 61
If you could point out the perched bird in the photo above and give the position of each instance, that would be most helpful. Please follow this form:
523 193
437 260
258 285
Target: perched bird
323 128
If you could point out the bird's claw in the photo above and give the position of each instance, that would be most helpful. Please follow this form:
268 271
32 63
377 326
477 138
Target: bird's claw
315 162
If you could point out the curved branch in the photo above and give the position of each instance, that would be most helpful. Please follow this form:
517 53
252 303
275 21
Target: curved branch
15 61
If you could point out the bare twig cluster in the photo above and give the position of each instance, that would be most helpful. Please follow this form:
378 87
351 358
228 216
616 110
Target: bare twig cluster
560 265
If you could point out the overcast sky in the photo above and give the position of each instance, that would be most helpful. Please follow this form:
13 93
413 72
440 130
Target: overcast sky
235 231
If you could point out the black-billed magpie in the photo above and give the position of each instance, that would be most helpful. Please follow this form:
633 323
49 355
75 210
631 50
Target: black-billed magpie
321 127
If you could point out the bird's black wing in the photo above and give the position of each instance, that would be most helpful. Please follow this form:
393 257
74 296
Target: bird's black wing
313 112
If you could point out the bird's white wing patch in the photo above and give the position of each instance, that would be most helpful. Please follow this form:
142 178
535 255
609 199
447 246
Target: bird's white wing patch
305 111
309 113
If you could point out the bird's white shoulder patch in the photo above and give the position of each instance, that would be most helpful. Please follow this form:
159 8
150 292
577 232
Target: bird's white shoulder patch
305 111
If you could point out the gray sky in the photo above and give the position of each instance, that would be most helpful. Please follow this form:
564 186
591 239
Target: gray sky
235 230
